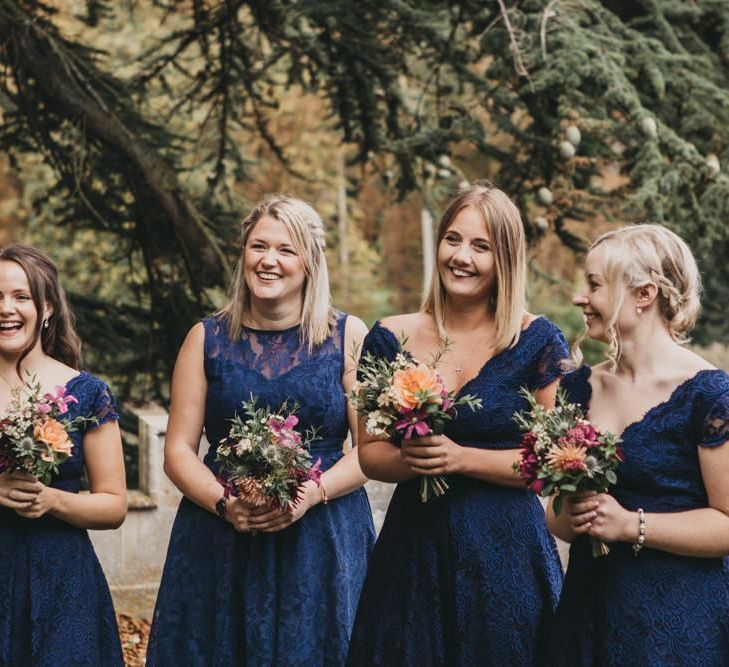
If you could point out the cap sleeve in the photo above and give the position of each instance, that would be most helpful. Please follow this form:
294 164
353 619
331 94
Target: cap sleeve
381 343
715 429
104 408
552 358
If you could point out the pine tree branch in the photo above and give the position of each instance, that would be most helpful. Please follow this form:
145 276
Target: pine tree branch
70 91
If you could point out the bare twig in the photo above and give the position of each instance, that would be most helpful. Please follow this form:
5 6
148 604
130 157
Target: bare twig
521 69
547 14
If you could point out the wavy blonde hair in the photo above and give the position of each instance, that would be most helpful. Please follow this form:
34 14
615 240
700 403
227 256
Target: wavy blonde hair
643 254
307 236
506 234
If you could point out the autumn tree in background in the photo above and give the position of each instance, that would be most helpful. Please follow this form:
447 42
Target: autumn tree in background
155 123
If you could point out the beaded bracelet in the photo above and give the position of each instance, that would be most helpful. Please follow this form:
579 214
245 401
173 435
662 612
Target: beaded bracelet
641 532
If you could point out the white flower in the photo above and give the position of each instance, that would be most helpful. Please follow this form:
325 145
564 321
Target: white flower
244 445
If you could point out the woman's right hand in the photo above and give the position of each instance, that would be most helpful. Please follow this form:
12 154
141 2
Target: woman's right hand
582 511
238 514
18 490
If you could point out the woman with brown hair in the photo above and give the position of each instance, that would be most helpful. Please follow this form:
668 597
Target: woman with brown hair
466 578
55 607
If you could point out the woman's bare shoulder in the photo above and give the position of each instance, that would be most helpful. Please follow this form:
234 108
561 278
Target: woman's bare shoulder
408 325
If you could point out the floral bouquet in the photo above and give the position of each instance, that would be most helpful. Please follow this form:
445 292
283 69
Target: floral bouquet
263 460
33 437
562 452
403 399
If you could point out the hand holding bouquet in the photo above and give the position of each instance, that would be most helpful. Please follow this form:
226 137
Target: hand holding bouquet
562 452
404 399
33 438
263 460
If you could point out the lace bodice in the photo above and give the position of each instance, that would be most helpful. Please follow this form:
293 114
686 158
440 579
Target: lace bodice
661 471
534 362
275 366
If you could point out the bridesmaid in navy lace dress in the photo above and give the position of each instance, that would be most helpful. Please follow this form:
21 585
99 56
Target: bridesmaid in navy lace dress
245 586
55 607
468 578
661 597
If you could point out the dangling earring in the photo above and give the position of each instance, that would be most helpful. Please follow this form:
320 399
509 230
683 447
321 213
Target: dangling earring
639 310
46 323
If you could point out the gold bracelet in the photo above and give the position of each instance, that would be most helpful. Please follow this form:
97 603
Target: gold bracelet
324 496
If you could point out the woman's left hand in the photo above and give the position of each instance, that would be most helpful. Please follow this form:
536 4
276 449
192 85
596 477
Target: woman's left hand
612 522
270 520
432 455
44 502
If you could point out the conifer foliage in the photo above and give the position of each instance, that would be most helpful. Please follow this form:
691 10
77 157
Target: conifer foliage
548 95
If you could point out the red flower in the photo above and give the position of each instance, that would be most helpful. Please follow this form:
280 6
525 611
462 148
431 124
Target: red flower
528 441
583 434
528 466
537 485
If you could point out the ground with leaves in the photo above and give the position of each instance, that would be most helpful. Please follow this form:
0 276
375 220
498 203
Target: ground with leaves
134 634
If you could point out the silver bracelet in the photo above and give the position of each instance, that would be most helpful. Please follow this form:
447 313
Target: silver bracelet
641 532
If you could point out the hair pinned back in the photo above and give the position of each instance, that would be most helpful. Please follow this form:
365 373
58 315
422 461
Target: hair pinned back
307 236
642 254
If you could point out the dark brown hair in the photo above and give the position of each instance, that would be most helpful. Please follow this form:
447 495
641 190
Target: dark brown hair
59 340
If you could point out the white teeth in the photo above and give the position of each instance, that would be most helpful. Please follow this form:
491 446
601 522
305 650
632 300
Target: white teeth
462 274
10 326
268 276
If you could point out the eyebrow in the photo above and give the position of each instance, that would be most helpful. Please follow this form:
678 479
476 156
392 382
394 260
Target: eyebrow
258 239
479 238
592 276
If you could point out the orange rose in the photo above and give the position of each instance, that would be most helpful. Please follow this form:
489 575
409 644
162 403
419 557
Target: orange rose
417 385
52 433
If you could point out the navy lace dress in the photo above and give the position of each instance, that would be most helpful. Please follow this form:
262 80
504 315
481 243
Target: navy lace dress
468 578
285 598
657 609
55 607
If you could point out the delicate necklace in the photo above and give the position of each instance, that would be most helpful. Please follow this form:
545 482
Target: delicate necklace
7 382
458 369
19 387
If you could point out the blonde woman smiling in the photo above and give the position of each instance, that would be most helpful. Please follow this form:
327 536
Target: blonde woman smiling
470 577
262 586
661 597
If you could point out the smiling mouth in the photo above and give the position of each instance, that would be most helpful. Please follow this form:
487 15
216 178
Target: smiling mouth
460 273
264 275
589 317
10 326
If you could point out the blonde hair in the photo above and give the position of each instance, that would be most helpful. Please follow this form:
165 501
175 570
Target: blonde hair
506 233
643 254
307 236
